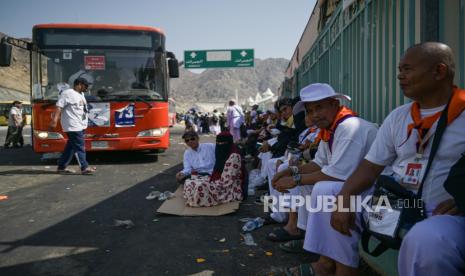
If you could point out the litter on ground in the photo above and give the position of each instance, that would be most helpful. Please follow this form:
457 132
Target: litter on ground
126 223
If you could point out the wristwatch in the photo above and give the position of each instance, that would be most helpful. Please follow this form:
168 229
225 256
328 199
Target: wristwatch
297 178
294 170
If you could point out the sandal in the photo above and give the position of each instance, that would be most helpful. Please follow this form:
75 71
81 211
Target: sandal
281 235
294 246
66 171
302 270
89 170
268 220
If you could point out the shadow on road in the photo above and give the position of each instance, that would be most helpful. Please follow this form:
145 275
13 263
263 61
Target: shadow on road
157 244
27 157
26 172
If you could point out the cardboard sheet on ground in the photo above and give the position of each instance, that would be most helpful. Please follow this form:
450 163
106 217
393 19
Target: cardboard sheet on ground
177 206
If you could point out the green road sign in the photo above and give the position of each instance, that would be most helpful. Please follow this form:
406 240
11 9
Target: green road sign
219 58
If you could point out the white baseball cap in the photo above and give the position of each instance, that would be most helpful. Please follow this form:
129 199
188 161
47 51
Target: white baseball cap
316 92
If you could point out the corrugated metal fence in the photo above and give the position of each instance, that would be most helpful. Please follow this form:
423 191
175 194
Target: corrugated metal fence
359 49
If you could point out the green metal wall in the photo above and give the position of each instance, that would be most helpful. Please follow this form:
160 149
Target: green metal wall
451 32
359 49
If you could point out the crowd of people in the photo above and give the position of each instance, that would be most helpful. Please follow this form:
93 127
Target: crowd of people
313 146
204 122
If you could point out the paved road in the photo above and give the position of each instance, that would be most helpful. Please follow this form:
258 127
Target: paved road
62 224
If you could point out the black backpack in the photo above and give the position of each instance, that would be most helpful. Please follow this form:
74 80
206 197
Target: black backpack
455 185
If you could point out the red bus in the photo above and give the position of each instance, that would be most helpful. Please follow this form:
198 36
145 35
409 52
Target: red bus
129 69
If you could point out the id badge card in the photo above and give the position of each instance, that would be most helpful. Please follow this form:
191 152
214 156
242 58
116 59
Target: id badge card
414 171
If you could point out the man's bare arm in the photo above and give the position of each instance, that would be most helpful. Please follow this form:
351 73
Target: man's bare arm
303 169
285 183
362 178
312 178
310 167
55 117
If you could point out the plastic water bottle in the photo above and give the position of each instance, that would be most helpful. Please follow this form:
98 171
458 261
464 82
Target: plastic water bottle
253 224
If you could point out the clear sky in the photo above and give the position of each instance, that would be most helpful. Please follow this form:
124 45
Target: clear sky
271 27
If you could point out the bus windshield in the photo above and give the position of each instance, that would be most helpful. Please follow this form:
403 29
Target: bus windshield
114 74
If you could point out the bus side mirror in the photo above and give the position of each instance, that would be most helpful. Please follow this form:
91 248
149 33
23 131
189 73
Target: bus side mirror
173 68
5 54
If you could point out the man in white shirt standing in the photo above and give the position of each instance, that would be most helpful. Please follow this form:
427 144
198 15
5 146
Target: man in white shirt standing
15 125
235 118
199 158
72 109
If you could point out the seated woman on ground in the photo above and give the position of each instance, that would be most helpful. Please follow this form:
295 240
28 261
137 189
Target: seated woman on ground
225 184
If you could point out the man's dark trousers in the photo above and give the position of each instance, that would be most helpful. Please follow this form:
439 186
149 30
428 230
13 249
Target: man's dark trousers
74 145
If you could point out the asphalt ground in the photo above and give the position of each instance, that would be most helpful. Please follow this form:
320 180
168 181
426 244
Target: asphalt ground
63 224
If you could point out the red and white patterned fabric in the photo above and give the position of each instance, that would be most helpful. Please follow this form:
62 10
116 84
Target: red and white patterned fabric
199 191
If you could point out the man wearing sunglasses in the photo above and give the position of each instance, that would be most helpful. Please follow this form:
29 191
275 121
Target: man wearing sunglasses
72 111
199 158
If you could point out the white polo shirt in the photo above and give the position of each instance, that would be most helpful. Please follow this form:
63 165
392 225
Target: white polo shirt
73 115
352 140
391 148
14 111
201 160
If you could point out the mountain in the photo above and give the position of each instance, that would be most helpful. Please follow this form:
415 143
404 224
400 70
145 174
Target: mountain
220 85
15 79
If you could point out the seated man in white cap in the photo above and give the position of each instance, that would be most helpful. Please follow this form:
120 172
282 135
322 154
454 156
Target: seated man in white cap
344 141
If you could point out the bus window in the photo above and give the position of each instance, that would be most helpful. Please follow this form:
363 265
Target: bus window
124 74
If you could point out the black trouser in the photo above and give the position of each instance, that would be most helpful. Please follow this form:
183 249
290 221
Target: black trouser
14 136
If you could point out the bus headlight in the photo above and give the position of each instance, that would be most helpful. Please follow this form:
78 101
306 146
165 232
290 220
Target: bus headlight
156 132
44 135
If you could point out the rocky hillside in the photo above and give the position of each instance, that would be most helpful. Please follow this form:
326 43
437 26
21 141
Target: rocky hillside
16 77
219 85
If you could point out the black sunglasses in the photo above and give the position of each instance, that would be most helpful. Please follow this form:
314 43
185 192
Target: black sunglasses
189 139
284 108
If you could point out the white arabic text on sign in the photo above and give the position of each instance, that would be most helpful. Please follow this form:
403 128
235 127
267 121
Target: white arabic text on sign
94 62
219 56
